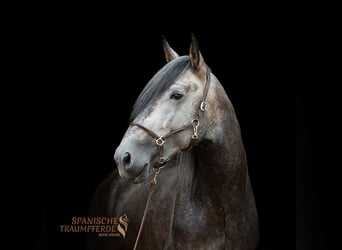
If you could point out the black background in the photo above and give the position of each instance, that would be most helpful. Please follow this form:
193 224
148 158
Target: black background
89 75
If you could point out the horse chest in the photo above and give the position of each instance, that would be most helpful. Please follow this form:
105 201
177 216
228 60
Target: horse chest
194 217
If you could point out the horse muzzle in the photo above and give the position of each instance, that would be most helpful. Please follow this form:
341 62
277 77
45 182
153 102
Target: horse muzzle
131 167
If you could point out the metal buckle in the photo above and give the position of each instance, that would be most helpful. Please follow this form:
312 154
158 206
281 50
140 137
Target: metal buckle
203 106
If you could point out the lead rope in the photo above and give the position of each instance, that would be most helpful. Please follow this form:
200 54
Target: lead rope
152 185
162 161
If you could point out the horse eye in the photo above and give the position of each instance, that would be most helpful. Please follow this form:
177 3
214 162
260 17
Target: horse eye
176 96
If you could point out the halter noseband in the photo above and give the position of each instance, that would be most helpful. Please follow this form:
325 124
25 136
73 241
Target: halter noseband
160 140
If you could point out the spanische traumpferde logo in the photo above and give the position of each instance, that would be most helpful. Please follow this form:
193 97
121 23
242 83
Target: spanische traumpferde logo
103 226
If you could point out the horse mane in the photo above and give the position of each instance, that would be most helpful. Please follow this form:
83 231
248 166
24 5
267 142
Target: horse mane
187 162
159 83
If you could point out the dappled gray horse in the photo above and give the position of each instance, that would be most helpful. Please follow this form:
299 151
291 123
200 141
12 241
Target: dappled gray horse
184 136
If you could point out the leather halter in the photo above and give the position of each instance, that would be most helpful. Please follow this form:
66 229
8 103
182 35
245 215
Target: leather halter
160 141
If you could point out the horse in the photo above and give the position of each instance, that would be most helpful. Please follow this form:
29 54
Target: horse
184 136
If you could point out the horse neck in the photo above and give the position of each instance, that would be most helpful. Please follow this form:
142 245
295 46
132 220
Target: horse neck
217 166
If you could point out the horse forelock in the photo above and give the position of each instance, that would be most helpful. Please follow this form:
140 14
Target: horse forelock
159 83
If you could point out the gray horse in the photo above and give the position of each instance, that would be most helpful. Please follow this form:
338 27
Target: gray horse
184 135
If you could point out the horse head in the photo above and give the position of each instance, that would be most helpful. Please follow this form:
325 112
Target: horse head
167 116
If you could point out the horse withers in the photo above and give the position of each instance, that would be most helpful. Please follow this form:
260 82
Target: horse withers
185 137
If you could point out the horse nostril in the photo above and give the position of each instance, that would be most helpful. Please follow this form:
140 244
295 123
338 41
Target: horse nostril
126 159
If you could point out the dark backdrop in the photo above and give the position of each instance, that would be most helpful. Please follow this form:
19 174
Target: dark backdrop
90 77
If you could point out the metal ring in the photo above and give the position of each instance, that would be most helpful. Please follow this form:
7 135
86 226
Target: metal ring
195 122
194 136
160 141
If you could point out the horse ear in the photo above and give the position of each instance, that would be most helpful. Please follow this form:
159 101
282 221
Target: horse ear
170 54
196 58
